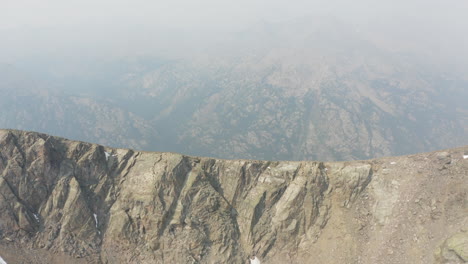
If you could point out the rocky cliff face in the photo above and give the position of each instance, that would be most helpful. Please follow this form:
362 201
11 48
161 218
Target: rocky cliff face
74 202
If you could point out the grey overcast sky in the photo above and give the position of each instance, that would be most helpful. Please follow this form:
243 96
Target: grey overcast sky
190 14
49 27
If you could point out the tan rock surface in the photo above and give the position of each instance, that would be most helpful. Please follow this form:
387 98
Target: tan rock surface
67 201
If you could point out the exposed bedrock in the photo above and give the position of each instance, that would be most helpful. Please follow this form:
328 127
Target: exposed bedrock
85 203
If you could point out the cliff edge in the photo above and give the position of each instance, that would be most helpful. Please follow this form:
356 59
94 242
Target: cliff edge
75 202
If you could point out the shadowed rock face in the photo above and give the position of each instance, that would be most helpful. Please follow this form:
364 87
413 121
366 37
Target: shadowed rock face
67 201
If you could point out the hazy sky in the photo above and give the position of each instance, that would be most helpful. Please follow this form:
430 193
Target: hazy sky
191 14
120 26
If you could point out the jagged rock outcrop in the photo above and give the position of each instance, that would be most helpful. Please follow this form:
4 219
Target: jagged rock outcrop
67 201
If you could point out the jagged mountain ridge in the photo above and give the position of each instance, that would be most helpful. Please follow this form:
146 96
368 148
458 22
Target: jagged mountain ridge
85 203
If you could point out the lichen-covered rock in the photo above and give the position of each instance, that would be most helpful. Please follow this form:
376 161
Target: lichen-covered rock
454 249
70 201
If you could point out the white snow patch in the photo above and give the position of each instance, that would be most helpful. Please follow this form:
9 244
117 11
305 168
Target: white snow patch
255 261
465 156
2 261
393 163
109 155
95 219
36 217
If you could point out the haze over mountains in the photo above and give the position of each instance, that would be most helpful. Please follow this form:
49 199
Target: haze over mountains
255 86
321 86
287 92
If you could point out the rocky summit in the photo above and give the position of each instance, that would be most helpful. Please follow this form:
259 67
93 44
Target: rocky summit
65 201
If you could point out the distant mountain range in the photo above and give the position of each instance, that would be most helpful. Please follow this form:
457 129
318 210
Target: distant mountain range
322 92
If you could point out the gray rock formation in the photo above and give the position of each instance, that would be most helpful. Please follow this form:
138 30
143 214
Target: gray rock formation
74 202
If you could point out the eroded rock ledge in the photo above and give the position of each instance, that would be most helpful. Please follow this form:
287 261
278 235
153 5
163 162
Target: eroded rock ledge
62 199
